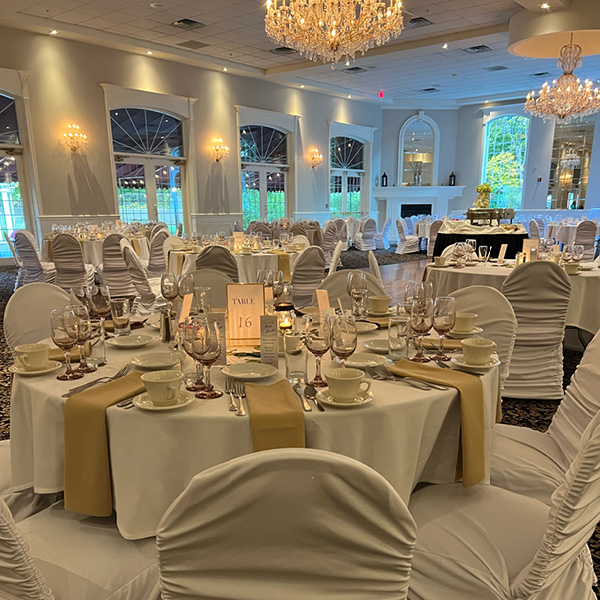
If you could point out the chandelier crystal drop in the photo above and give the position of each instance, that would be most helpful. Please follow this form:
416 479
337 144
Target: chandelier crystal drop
333 30
567 98
571 160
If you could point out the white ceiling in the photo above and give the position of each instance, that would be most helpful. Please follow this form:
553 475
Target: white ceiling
234 33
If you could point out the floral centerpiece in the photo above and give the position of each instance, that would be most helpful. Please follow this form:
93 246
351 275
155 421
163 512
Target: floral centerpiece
483 199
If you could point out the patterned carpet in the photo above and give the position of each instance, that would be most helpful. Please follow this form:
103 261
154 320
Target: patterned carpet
358 259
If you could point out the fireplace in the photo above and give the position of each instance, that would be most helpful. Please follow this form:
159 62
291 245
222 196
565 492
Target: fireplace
409 210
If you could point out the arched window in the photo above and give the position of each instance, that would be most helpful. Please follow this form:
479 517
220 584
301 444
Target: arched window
347 170
504 157
149 158
419 151
264 159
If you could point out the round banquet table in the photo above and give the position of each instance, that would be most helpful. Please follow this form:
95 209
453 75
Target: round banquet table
584 310
514 242
565 234
92 250
407 435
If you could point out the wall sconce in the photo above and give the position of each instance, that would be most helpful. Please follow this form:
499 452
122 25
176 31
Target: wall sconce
75 139
315 158
219 150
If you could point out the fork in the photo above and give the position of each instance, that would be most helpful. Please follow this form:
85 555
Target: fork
435 386
240 393
443 365
124 370
379 376
229 390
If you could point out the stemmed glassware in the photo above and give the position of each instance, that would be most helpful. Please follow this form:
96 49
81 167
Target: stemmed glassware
484 252
169 288
578 252
343 337
99 301
64 326
85 333
471 246
460 254
444 318
204 342
318 342
421 321
185 285
284 239
356 286
567 252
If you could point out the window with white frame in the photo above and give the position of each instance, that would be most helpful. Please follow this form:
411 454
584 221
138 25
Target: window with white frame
346 176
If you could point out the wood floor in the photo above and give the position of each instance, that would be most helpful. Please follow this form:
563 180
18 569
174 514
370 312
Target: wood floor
395 277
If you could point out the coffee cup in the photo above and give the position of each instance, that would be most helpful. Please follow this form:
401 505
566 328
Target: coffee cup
379 304
162 386
465 322
571 268
346 384
477 351
439 261
32 357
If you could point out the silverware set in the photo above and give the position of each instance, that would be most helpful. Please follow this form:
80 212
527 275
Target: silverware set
236 389
381 373
443 365
124 370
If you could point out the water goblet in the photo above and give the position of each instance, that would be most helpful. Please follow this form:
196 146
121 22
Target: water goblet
185 285
421 321
343 337
471 246
444 317
204 341
578 252
567 252
121 316
318 342
169 288
99 301
186 338
64 327
483 252
84 334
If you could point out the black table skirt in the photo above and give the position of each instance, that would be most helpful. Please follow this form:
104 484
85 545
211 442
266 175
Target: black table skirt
514 241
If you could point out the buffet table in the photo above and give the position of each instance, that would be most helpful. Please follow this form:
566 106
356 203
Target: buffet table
407 435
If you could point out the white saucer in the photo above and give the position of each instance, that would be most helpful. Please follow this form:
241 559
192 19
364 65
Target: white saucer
324 397
386 313
461 335
130 342
360 360
155 361
587 266
53 365
460 362
142 401
363 327
251 370
378 346
439 266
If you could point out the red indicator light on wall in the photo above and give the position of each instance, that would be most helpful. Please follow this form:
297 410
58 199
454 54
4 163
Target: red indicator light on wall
381 94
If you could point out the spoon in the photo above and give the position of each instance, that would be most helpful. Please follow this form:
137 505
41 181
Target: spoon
311 393
305 404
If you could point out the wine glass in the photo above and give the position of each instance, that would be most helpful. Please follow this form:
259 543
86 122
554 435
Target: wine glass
568 252
185 285
343 337
423 289
99 299
85 333
64 326
204 341
483 252
578 252
197 384
421 321
471 246
356 286
284 239
444 317
318 341
169 288
459 254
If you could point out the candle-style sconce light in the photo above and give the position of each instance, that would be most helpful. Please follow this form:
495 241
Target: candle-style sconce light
219 150
74 138
315 158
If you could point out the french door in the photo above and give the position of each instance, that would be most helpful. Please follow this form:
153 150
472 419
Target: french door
345 193
12 215
263 193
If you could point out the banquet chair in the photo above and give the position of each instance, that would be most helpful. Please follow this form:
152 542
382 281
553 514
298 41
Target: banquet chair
381 239
217 282
342 230
336 258
433 233
448 253
160 225
495 316
374 266
172 243
179 230
365 238
407 244
18 262
298 229
539 293
237 225
534 230
586 236
114 272
307 275
28 251
330 240
300 241
301 524
250 228
71 271
220 259
409 226
335 284
263 229
157 264
541 226
485 542
148 297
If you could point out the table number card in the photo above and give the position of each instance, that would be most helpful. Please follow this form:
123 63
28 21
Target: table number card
269 343
323 300
502 253
185 308
245 306
221 320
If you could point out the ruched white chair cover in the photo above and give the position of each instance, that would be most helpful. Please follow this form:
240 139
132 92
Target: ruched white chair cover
448 251
365 238
335 284
114 272
330 239
539 293
160 225
217 282
374 266
71 271
27 313
286 524
534 230
342 230
433 233
219 259
300 241
148 296
157 264
495 316
407 244
237 225
172 243
409 226
381 239
29 253
308 273
263 229
18 262
541 226
336 258
586 236
486 543
298 229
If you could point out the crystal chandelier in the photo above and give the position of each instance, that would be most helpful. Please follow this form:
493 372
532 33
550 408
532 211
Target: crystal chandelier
570 160
333 30
567 98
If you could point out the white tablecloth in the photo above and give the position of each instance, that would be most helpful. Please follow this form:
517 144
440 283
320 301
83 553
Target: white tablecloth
466 228
92 250
565 234
584 307
422 229
407 435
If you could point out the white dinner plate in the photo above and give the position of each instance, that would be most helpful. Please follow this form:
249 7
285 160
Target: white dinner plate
324 397
461 335
251 370
459 361
378 346
587 266
53 365
363 327
155 361
130 342
360 360
142 401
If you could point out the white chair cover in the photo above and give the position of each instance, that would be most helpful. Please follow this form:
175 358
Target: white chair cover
586 236
237 225
374 266
433 233
342 230
160 225
71 271
217 282
293 523
406 244
27 313
409 226
157 264
298 229
148 297
539 293
448 251
172 243
330 239
29 253
381 239
300 241
335 284
336 258
534 230
496 318
114 272
308 273
18 262
365 239
179 230
541 226
263 229
219 259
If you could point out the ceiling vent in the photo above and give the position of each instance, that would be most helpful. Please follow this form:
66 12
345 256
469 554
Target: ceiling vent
540 75
496 68
416 22
283 51
193 45
187 24
477 49
430 90
354 70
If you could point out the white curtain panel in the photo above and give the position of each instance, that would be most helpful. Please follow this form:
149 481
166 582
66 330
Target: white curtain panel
539 293
335 284
148 298
329 528
433 233
336 258
157 264
114 272
586 236
381 239
374 266
217 282
330 239
28 251
407 244
365 239
71 271
219 259
309 271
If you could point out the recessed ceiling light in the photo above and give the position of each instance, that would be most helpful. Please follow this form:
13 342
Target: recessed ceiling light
545 6
225 69
349 95
486 101
149 53
445 47
302 86
54 32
